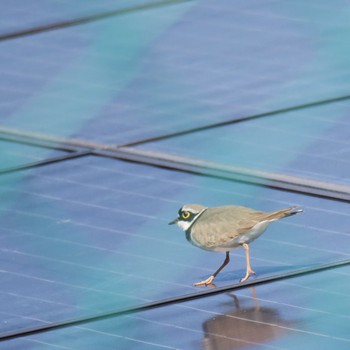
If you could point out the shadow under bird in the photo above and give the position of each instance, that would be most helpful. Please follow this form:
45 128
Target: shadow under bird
221 229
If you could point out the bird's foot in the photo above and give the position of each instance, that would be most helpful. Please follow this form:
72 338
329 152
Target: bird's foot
249 272
205 282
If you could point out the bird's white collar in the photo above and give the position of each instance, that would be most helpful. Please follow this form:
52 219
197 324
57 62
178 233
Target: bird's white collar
184 225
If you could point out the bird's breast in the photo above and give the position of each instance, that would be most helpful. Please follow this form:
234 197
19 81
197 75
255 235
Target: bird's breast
191 237
206 242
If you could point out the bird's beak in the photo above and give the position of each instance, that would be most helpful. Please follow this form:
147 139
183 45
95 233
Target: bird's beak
174 221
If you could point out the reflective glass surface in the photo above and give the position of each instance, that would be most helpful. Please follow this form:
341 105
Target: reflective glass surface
87 235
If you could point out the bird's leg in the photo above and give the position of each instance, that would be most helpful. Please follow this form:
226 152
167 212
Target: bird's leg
211 278
249 268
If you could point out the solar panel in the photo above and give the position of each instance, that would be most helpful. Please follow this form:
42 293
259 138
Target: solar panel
91 234
305 143
169 68
15 154
15 20
114 115
283 315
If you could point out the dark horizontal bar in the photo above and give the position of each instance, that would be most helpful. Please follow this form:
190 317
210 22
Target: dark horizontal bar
195 166
47 140
36 142
171 301
204 168
71 155
88 19
238 120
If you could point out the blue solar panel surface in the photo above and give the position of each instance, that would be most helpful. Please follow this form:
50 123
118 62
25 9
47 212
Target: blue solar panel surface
269 317
14 17
169 68
84 234
15 154
306 143
91 234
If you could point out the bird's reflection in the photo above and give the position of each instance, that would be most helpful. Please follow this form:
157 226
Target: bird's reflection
242 326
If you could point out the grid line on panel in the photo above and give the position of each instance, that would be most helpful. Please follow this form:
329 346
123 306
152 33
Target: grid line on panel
53 141
48 141
173 300
286 182
238 120
25 138
72 155
232 173
88 19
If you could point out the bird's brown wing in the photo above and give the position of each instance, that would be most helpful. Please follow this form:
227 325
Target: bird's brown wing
219 225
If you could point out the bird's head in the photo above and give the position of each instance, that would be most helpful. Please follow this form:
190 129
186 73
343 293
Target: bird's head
187 215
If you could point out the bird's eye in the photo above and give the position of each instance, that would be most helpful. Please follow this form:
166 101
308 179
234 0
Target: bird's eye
185 215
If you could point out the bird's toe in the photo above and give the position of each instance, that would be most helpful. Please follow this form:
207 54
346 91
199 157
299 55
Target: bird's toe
205 282
246 277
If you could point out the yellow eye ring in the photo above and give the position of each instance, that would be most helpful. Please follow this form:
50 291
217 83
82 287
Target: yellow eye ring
185 215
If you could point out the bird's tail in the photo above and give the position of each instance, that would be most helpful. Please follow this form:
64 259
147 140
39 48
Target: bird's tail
279 214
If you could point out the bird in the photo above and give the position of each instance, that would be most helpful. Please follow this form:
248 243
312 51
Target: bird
223 228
